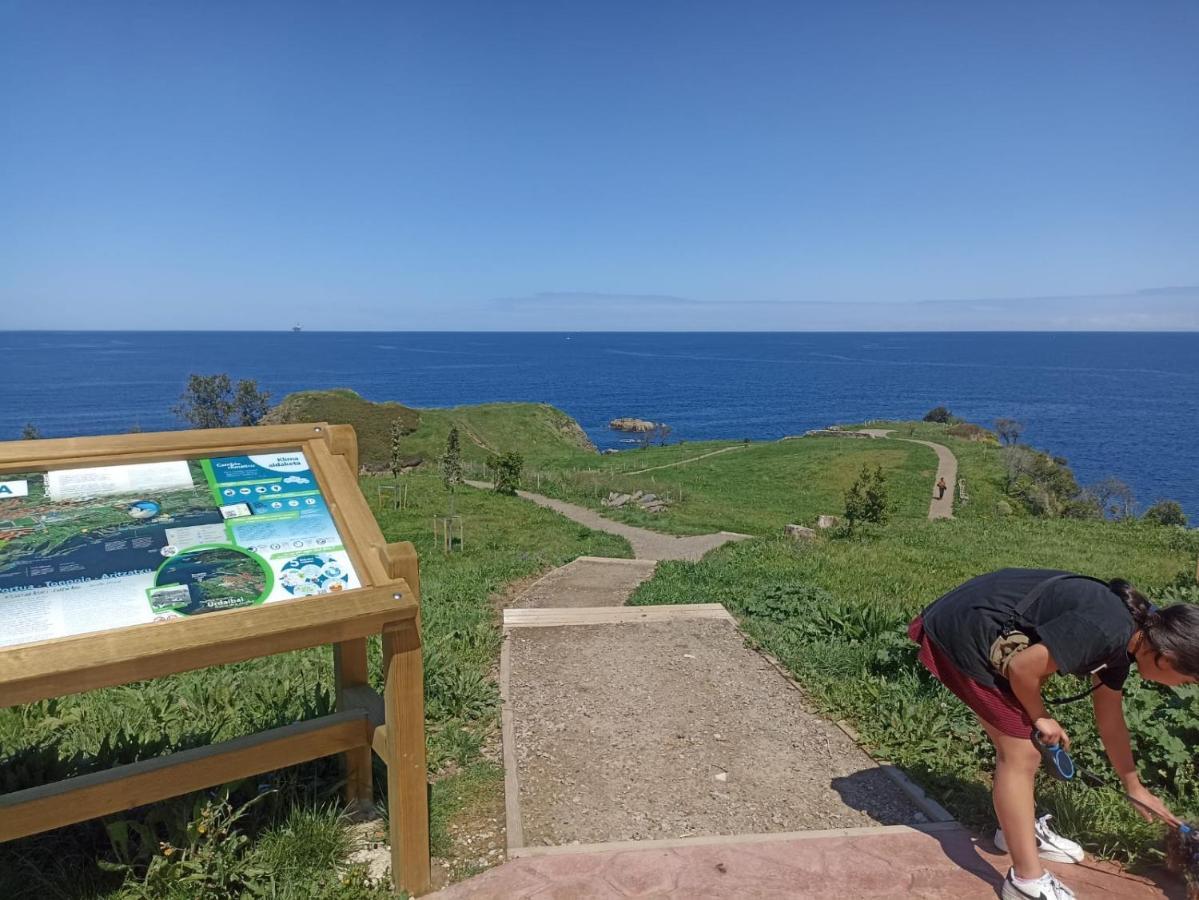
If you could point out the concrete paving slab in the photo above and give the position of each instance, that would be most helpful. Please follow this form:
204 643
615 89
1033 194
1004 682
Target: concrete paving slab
937 862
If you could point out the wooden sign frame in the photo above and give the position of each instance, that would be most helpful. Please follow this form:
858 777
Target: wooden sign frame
387 604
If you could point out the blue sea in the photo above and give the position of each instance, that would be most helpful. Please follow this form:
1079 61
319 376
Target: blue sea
1112 404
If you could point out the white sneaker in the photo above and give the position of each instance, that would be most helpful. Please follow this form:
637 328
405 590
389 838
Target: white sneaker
1047 887
1050 845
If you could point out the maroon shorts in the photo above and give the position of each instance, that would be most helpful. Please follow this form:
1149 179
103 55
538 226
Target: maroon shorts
996 706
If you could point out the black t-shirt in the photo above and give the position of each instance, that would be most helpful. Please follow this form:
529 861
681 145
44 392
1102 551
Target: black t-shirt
1082 622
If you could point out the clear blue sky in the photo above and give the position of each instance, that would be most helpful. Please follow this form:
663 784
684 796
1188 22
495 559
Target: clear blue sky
595 165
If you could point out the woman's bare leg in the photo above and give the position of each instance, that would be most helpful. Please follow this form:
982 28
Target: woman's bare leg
1017 761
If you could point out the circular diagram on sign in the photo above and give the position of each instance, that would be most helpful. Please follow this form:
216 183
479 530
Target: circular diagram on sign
313 574
209 578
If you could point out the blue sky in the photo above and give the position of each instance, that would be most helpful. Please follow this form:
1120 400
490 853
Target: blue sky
610 165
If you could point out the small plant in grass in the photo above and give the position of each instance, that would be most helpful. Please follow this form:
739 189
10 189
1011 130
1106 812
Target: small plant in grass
867 499
396 459
505 471
451 465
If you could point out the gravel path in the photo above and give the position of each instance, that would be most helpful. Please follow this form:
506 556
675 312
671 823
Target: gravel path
586 582
646 544
674 729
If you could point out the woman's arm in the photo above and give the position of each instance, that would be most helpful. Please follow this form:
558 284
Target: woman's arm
1113 731
1027 671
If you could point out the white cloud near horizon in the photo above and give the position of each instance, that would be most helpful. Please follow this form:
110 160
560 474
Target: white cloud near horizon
1152 309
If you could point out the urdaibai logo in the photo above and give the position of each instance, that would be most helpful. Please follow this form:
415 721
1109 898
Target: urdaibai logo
13 489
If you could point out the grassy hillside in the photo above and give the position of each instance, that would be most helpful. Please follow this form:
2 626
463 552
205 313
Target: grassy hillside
543 434
753 489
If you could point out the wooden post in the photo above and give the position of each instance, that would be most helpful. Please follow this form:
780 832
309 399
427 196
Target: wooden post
407 780
351 670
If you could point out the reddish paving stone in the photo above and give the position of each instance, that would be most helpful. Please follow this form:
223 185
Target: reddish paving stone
932 865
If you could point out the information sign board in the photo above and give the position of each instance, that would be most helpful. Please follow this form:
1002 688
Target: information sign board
88 549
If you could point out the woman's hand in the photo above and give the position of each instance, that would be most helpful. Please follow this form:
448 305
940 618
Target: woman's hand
1145 801
1050 732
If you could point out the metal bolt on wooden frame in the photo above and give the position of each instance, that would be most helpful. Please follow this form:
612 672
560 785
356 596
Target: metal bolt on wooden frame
387 604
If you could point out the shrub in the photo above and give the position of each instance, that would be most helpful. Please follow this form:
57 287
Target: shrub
505 471
970 432
867 499
939 414
1166 512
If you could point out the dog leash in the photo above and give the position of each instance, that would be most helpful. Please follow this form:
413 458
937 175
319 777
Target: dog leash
1059 765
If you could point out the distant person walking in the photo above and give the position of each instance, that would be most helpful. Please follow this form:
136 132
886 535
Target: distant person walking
942 487
994 642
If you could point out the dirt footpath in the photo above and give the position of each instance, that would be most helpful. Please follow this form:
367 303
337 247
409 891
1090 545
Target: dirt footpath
675 729
586 582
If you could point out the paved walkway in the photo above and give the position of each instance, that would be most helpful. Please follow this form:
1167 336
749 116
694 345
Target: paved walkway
947 468
646 544
937 862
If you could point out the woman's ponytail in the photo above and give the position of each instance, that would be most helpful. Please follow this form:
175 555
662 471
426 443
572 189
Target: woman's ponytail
1172 631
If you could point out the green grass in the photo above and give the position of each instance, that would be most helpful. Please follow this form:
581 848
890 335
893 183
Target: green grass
835 614
506 540
542 434
756 489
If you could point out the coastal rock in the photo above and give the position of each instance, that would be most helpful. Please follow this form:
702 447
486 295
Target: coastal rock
627 423
828 521
617 500
799 533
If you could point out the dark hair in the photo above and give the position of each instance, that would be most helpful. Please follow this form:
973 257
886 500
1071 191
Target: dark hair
1172 631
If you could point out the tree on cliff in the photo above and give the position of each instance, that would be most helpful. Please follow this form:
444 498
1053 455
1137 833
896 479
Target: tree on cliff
1166 512
1009 431
212 401
30 432
939 414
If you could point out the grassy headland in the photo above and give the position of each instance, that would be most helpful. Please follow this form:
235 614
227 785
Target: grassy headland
833 611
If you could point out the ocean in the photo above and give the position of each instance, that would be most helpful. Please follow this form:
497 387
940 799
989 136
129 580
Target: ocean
1112 404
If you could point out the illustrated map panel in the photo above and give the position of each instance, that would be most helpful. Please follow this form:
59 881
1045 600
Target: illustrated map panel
90 549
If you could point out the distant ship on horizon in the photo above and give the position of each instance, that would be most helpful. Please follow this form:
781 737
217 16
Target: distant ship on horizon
296 327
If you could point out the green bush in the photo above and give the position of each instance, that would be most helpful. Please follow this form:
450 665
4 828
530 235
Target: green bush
867 499
1166 512
505 471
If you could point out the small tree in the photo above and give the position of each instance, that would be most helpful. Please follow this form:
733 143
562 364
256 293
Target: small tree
662 432
250 404
1009 431
1113 497
505 471
212 401
1166 512
939 414
451 465
867 499
30 432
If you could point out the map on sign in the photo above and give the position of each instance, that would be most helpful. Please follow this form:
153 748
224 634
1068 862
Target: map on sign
89 549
